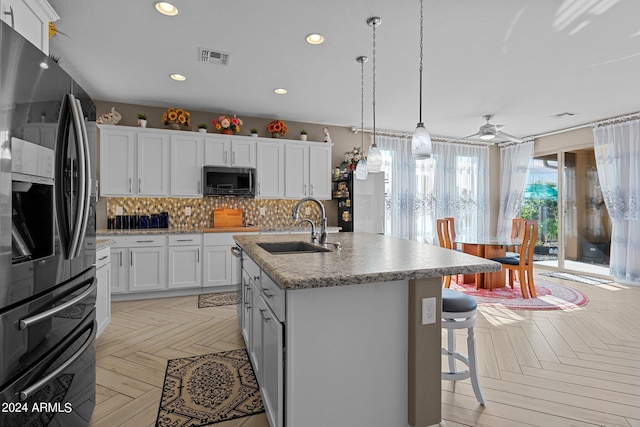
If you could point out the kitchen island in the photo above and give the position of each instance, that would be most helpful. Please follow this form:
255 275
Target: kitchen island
339 337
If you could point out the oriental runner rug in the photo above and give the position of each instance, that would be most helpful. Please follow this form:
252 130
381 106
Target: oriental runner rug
204 390
550 296
218 299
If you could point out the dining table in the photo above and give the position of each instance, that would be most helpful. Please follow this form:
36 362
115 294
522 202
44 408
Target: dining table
487 247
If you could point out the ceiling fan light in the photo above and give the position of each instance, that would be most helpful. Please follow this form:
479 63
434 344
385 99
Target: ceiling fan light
374 159
487 135
421 143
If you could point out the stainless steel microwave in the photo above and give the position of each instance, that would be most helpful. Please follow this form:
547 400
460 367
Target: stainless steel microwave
221 181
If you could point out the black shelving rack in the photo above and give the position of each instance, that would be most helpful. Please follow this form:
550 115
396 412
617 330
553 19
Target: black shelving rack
343 193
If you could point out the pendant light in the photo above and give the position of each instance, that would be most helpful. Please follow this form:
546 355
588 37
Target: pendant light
362 171
374 159
421 141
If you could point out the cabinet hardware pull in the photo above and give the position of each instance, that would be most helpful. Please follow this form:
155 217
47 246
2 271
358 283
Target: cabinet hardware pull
185 240
266 294
144 241
10 13
256 278
233 158
139 185
198 257
131 253
104 257
266 318
129 185
311 186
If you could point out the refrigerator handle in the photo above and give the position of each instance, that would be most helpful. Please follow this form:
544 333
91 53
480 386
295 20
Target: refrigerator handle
74 249
62 181
87 174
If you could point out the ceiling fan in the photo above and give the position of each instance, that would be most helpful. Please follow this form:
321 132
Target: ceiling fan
490 131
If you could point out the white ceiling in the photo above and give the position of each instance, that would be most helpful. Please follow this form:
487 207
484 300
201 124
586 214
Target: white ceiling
521 60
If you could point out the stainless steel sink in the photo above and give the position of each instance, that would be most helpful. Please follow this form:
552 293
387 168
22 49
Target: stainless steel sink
291 247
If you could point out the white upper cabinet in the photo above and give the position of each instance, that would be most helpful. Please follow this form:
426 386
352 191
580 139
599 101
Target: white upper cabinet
153 164
308 170
296 174
117 151
186 165
31 19
320 171
225 151
270 169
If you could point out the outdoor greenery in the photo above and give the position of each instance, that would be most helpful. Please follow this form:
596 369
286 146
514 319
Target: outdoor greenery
543 207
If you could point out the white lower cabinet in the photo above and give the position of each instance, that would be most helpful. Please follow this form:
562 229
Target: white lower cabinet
185 265
103 299
263 332
139 263
220 267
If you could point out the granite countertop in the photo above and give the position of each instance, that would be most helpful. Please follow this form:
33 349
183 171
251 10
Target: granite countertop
363 258
253 229
103 243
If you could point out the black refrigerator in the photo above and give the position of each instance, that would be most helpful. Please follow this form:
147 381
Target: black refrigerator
47 241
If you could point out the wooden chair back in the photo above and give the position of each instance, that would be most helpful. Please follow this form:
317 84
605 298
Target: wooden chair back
517 228
452 227
528 242
444 236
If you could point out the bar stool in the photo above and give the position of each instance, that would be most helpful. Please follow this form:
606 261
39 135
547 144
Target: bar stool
458 312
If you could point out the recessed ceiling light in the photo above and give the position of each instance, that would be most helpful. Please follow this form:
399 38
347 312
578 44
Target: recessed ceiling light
280 91
315 38
178 77
166 8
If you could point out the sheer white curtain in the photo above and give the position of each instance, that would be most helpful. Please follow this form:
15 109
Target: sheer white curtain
514 170
453 182
617 150
403 206
461 188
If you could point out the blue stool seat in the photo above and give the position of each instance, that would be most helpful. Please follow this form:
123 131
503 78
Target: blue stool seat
457 302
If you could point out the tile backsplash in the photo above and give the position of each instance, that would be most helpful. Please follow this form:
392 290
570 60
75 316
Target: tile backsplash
277 213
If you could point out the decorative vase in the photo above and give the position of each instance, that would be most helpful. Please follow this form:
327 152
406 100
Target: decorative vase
202 130
174 126
142 123
275 134
227 131
255 135
303 137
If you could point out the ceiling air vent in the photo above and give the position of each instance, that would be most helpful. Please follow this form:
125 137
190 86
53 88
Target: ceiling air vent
563 115
210 56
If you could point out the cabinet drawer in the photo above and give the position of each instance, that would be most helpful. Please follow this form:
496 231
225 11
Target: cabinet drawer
185 239
103 257
140 240
274 297
251 268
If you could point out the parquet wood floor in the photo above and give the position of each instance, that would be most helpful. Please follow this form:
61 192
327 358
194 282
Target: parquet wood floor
537 368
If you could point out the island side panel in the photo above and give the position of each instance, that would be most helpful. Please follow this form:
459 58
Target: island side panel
425 344
347 355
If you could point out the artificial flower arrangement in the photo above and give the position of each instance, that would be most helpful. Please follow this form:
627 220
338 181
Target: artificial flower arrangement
277 126
223 123
177 116
354 156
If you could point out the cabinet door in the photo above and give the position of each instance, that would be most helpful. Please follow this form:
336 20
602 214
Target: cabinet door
217 151
255 349
31 19
186 166
117 162
245 320
153 164
271 386
119 270
184 267
270 169
103 298
217 266
243 154
147 268
320 172
296 174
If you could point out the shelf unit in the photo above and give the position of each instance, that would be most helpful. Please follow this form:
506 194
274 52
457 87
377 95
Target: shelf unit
342 191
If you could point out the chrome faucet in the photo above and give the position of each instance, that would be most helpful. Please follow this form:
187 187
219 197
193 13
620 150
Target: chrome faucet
314 235
323 221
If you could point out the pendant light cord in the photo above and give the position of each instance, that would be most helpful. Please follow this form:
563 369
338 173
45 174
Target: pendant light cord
362 61
374 84
421 46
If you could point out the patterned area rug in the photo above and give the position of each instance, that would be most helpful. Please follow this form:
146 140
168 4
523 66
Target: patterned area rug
216 300
204 390
550 296
588 280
